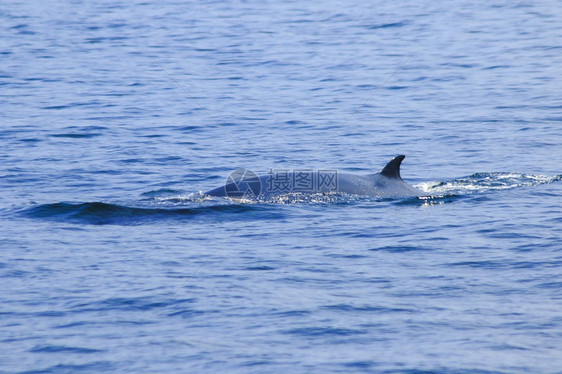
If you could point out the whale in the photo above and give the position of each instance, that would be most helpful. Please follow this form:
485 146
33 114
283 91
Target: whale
244 184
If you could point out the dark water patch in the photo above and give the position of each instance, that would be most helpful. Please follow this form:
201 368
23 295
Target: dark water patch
442 370
492 67
323 332
293 313
107 118
387 25
508 347
260 268
63 349
56 107
153 136
165 160
50 313
351 134
132 161
161 193
16 274
486 264
360 234
349 256
399 248
367 86
103 39
124 304
363 365
528 247
117 25
551 285
186 313
189 129
512 235
19 26
553 119
41 79
255 363
366 308
73 325
98 213
464 66
90 367
76 135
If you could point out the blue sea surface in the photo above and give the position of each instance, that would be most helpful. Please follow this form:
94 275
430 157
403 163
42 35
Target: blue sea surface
116 115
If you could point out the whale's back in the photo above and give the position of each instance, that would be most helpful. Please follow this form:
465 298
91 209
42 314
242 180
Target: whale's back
386 184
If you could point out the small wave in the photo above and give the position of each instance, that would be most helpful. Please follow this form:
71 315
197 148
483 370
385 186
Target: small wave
387 25
169 197
162 192
312 332
76 135
62 349
483 182
100 213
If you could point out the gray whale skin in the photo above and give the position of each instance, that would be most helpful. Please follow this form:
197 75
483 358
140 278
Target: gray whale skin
386 184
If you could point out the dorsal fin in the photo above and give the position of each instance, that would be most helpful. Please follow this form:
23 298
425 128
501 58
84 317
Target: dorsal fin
392 169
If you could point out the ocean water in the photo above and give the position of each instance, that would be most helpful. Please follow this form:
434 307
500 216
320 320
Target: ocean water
115 115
